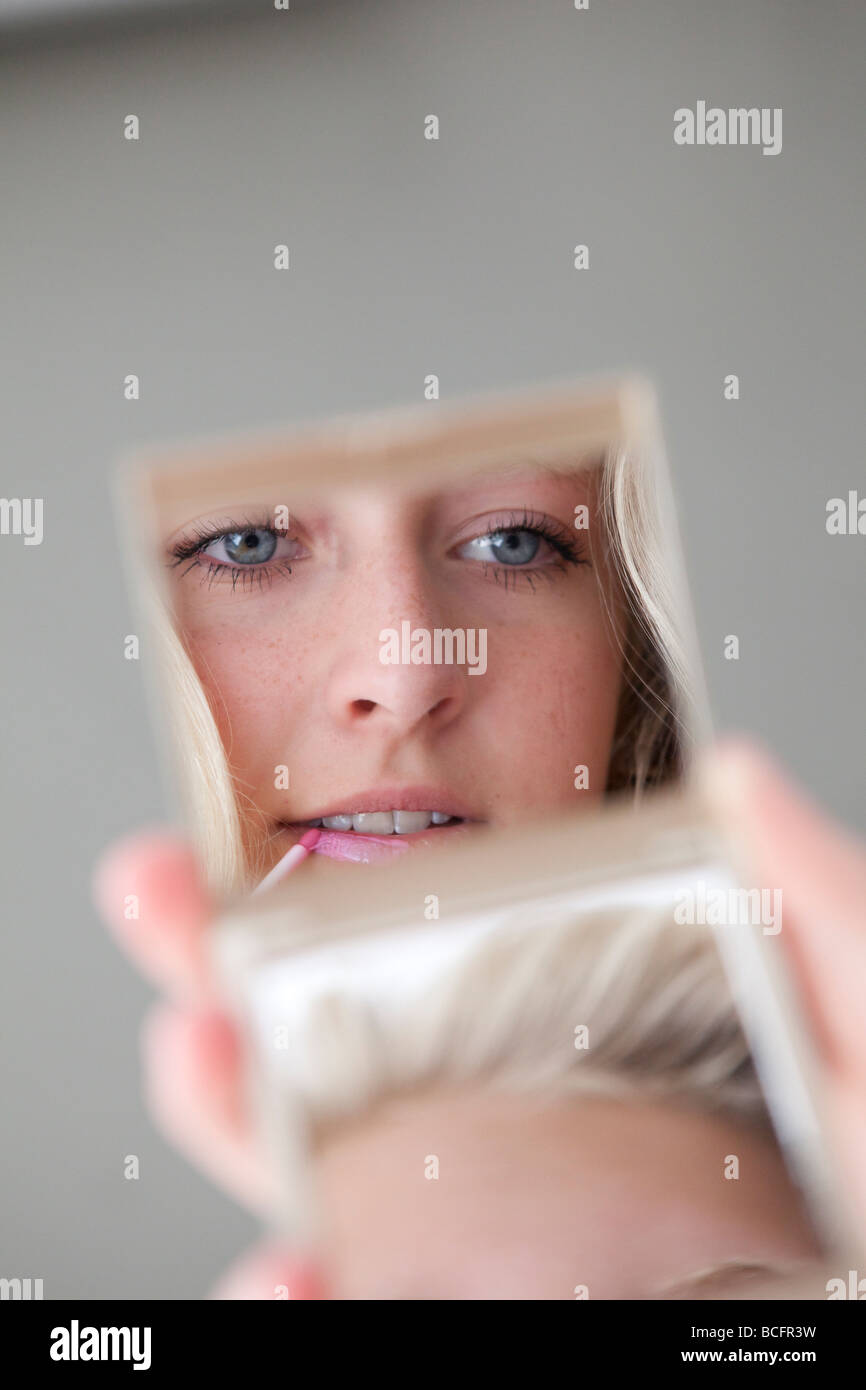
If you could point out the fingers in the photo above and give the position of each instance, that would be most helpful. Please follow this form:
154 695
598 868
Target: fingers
148 890
193 1080
270 1271
821 869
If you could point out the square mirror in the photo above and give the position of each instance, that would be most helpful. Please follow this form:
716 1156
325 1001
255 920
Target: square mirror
407 628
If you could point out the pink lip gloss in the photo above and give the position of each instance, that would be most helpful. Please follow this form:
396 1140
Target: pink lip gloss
361 849
290 861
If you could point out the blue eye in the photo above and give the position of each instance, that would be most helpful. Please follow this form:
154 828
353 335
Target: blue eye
515 547
254 546
244 555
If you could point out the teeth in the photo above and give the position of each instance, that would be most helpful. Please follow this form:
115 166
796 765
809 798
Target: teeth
374 822
407 822
384 822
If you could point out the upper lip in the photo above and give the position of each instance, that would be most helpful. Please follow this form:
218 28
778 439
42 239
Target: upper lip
392 799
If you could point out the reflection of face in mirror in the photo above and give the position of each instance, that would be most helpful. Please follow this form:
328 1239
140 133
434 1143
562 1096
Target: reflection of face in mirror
398 668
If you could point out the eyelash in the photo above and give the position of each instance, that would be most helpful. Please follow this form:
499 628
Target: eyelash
570 551
192 548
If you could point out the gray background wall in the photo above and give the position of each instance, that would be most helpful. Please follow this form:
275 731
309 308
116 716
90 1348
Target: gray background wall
408 257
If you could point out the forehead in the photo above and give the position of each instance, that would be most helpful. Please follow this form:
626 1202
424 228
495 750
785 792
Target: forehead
534 1197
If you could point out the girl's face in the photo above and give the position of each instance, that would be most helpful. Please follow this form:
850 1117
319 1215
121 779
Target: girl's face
379 659
554 1198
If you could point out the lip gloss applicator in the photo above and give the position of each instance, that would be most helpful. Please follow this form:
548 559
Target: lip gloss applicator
290 861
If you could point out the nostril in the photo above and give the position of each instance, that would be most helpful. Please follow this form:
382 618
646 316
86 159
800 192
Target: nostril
363 706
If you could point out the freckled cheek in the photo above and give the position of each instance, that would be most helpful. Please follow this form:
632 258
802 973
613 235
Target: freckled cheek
258 689
553 706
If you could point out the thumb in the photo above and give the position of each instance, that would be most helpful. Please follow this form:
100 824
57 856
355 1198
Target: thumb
148 891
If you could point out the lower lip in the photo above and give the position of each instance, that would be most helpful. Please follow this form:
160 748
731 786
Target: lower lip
379 849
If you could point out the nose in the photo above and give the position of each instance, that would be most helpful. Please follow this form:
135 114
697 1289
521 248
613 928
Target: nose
384 675
396 696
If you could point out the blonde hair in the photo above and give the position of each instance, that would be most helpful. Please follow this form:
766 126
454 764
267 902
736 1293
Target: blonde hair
653 730
212 813
505 1012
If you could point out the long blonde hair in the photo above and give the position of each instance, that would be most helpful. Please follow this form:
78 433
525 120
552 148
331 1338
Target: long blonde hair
654 729
656 720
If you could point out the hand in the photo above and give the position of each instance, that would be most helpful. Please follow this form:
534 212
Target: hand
821 869
190 1052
